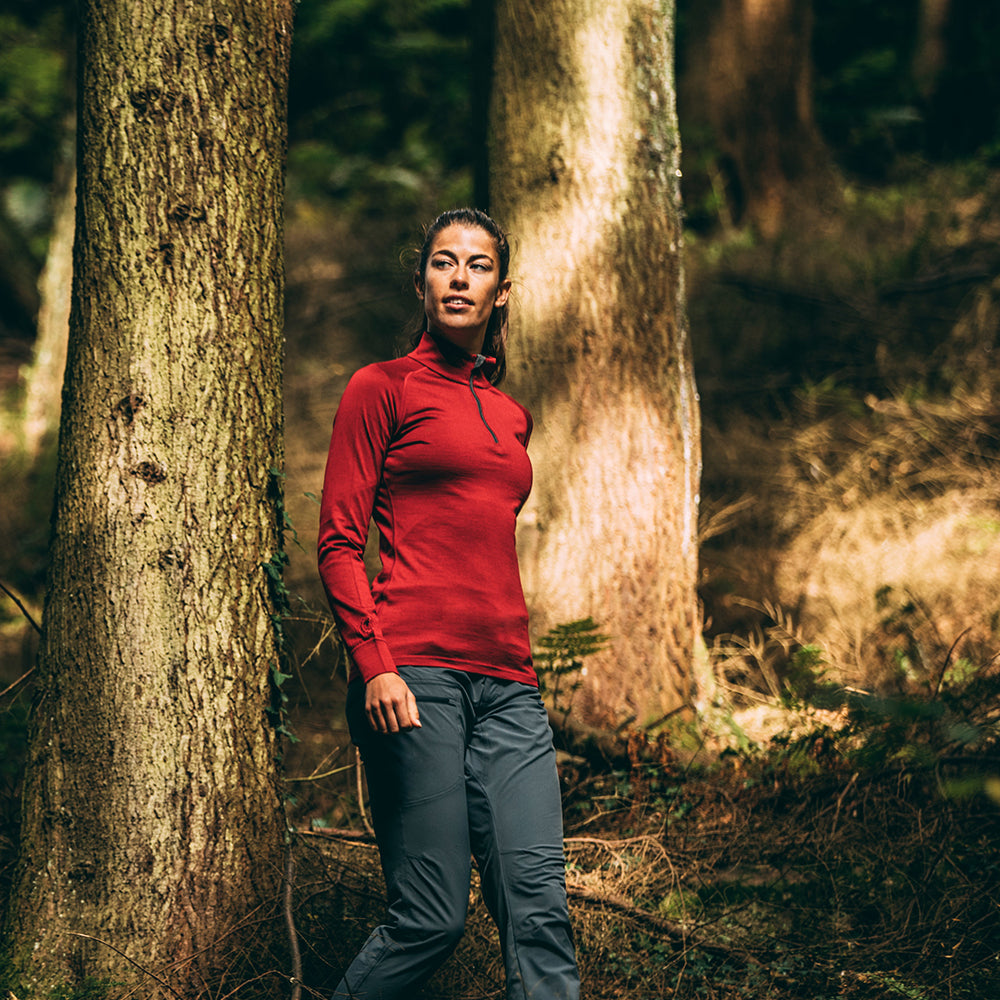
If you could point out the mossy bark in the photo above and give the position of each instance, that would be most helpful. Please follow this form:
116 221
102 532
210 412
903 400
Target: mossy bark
152 824
585 174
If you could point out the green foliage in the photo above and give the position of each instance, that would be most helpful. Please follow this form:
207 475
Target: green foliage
12 983
274 569
934 704
35 97
379 102
33 87
869 104
559 660
91 988
277 710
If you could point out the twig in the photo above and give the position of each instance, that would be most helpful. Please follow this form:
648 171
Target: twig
130 961
361 798
947 660
24 610
840 802
24 676
256 979
339 833
933 281
616 842
315 775
666 927
293 936
619 905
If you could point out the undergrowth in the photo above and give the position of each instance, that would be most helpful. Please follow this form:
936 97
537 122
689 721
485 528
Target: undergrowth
850 854
816 866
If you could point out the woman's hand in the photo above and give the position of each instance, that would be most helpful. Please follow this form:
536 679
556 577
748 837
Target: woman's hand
390 705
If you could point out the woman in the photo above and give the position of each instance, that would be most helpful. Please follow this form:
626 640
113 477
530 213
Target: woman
443 701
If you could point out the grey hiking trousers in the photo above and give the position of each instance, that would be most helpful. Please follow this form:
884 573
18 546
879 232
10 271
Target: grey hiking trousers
478 778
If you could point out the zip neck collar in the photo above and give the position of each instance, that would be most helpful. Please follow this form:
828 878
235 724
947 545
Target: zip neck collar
457 365
454 363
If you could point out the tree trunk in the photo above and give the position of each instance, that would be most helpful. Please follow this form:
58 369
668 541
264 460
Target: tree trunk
151 814
750 77
931 50
43 379
585 175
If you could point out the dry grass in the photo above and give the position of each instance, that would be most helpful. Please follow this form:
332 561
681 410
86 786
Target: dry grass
881 537
865 512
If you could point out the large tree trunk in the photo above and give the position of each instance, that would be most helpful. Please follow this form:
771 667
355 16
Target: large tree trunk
151 814
585 174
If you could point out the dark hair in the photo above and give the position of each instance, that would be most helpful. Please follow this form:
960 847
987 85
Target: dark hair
495 340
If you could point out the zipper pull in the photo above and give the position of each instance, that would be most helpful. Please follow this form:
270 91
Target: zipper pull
476 365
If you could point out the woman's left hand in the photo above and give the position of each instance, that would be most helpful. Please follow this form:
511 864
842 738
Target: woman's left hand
390 704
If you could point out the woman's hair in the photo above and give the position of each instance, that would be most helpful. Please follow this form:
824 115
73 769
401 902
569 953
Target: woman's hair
495 340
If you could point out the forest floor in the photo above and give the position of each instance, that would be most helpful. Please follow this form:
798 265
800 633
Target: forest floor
797 852
808 854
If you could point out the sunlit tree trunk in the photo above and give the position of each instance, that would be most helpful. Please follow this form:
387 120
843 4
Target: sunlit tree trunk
43 377
151 831
585 174
750 79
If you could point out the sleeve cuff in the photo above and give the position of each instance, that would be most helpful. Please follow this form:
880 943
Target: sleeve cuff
373 658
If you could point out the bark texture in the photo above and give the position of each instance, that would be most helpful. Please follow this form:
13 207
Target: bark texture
151 814
585 154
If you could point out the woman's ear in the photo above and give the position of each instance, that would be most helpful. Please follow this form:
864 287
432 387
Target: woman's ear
503 292
418 284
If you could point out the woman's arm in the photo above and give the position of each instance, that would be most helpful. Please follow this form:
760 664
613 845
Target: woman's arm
362 430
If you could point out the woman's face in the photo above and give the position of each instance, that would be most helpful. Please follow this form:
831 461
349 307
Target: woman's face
461 285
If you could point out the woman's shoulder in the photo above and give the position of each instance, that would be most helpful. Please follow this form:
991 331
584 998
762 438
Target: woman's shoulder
376 388
381 374
385 370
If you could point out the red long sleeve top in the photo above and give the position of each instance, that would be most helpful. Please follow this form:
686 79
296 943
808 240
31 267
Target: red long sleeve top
438 457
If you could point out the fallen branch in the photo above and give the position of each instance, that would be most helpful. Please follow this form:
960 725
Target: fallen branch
293 935
339 833
611 901
671 930
24 610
